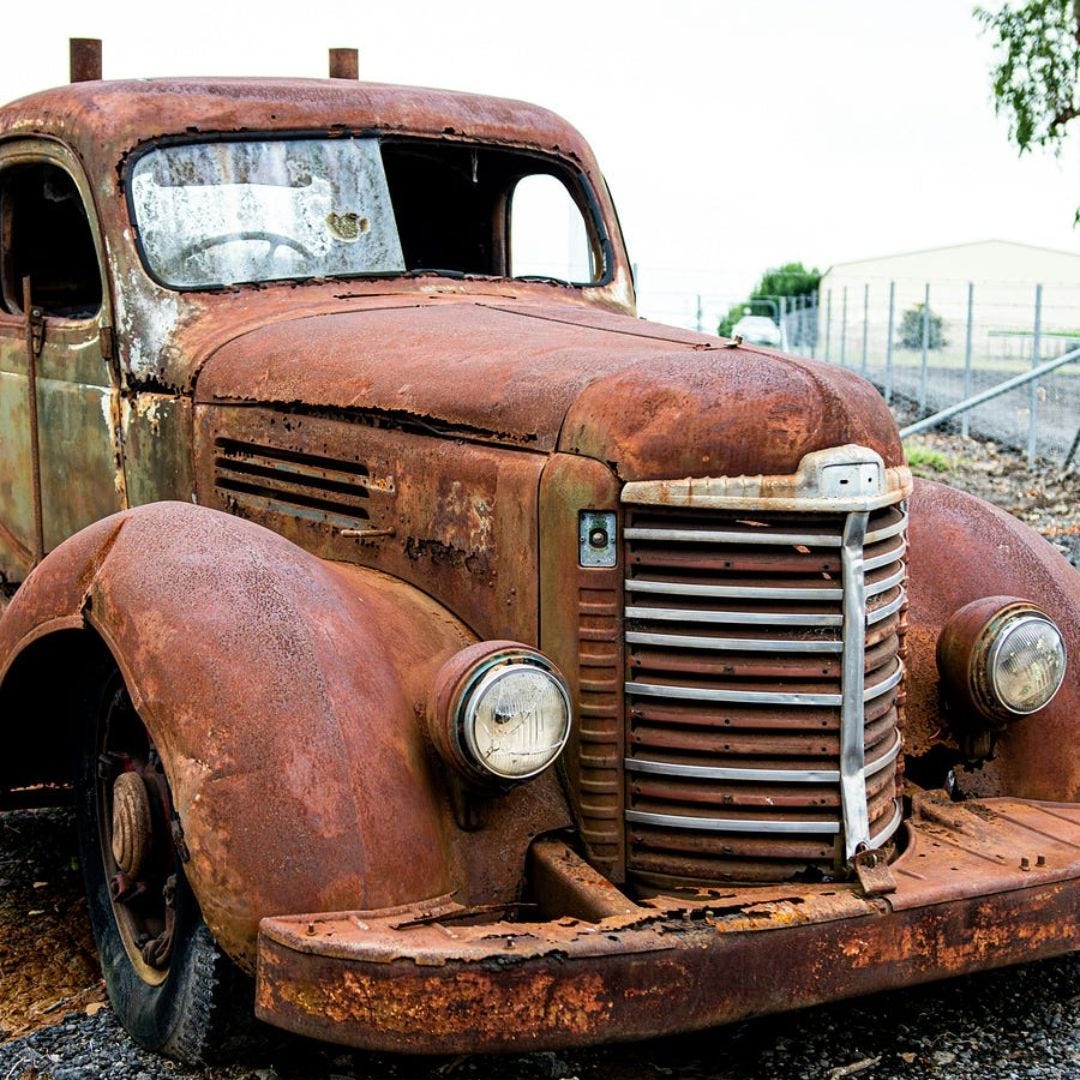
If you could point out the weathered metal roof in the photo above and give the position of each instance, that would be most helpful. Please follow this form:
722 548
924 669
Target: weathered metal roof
103 120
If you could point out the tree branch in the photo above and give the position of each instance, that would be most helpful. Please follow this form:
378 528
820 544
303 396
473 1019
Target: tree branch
1060 119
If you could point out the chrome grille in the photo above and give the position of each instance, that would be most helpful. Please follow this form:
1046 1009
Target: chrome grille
764 665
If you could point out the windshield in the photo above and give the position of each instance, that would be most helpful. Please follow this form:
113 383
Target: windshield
255 210
222 213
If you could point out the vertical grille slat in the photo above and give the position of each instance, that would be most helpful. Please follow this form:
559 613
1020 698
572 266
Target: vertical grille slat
600 716
748 635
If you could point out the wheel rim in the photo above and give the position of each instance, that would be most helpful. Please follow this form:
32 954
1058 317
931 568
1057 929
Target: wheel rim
135 818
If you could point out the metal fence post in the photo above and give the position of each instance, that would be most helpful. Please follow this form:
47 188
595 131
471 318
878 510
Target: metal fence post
843 329
865 324
828 321
700 314
1025 378
812 326
965 423
889 343
1072 450
924 371
1033 399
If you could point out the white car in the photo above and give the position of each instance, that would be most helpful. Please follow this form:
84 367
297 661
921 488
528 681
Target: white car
757 330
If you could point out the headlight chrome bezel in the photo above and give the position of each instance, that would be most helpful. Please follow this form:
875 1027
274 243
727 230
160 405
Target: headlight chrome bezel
460 688
970 650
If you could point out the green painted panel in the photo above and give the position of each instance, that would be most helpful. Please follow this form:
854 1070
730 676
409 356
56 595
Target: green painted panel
16 499
79 468
157 443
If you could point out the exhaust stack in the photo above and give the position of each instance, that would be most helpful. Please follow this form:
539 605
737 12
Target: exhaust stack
344 64
85 59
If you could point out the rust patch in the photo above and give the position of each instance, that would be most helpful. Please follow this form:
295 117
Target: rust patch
449 987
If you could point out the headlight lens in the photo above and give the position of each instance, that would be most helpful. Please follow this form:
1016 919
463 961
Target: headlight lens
1000 657
499 711
1026 663
515 719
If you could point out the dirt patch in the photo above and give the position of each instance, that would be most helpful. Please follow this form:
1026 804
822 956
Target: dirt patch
48 966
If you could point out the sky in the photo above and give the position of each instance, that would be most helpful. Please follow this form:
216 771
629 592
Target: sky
735 135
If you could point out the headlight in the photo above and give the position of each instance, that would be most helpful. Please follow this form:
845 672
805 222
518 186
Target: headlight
500 711
1026 663
1003 657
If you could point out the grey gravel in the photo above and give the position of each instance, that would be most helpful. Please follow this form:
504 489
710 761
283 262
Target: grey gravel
1021 1022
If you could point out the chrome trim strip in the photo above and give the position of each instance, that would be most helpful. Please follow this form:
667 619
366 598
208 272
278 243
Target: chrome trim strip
751 537
891 608
750 697
800 504
886 833
708 772
892 555
886 531
804 828
768 697
878 587
852 696
882 687
683 588
686 641
885 760
744 618
840 480
763 776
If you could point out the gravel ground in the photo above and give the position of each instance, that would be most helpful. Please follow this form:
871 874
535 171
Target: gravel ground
1015 1024
1046 497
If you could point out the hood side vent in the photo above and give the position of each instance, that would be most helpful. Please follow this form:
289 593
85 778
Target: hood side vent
302 485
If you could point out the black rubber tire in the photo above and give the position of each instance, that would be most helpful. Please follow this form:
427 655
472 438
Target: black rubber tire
203 1009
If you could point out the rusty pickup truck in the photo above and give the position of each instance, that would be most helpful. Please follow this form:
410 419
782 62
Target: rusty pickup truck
440 658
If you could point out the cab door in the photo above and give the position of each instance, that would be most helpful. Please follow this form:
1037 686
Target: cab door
49 232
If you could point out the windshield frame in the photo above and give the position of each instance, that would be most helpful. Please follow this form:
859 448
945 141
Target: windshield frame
576 180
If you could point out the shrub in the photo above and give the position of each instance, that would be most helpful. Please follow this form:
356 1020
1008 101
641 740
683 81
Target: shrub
911 329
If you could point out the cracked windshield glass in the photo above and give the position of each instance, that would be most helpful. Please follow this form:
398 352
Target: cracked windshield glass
222 213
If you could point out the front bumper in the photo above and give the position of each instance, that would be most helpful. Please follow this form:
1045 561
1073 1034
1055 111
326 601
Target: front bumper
980 884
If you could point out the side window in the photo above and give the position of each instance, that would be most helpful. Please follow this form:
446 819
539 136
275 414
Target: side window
548 234
44 232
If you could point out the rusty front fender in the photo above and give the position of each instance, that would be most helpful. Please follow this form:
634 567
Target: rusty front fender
963 549
285 695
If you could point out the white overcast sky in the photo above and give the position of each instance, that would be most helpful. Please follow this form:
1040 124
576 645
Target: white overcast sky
734 134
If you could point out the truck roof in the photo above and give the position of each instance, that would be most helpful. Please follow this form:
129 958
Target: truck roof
104 120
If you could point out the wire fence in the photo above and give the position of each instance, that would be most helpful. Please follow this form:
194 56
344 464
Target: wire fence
675 297
935 344
927 345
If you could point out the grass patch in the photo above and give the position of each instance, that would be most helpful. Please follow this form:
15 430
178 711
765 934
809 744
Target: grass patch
923 460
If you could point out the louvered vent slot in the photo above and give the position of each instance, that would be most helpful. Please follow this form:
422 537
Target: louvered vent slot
302 485
734 628
600 718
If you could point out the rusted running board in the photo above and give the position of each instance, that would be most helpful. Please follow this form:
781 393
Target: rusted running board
406 981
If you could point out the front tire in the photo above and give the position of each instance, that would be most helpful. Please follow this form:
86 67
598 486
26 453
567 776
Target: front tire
172 988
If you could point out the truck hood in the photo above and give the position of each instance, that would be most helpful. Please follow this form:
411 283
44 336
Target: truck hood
651 400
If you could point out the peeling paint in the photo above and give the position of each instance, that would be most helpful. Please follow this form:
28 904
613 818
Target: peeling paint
148 325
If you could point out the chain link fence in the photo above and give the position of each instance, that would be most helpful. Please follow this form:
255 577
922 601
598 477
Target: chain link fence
926 345
935 344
